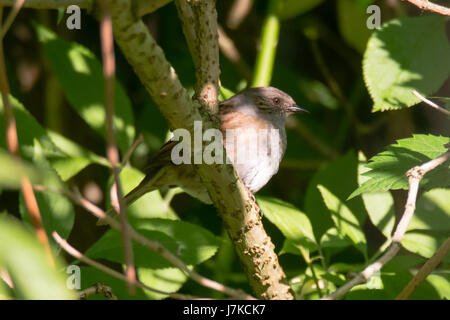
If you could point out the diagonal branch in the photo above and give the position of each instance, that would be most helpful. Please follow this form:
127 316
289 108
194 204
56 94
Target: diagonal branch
414 175
152 245
78 255
235 205
430 6
425 270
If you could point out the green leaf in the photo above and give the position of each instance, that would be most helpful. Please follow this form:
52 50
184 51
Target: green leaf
168 280
25 260
66 157
190 243
422 243
28 130
410 53
340 177
56 210
440 285
388 168
81 77
293 223
225 93
346 223
432 211
12 171
352 19
333 238
75 157
287 9
379 205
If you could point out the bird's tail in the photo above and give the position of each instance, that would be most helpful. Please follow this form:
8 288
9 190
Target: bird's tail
146 185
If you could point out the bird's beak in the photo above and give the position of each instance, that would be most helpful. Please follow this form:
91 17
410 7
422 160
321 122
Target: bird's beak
296 108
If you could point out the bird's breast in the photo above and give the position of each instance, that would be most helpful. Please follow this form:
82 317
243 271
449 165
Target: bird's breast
254 145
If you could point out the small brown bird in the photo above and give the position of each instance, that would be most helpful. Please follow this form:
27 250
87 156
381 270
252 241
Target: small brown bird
257 117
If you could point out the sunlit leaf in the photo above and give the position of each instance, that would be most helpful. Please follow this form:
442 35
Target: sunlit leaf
388 168
393 68
26 262
81 77
346 223
293 223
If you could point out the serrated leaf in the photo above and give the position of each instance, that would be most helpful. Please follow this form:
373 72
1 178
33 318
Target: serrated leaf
26 262
80 75
190 243
388 168
402 57
346 223
379 205
293 223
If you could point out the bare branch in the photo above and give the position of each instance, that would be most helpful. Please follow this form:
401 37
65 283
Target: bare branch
430 103
130 151
78 255
12 15
96 289
13 147
152 245
430 6
112 151
199 18
414 176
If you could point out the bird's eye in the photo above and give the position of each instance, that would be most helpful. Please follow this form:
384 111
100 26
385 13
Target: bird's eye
276 100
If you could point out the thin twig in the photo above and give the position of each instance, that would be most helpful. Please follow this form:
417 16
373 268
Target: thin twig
414 175
430 103
112 151
427 5
96 289
152 245
130 151
13 147
12 15
78 255
425 270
